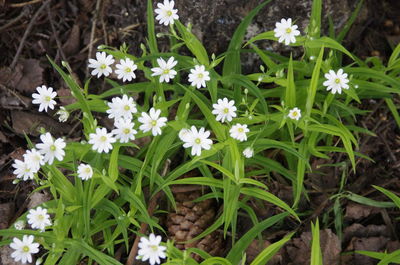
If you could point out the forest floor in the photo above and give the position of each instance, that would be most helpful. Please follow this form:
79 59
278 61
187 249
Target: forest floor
71 31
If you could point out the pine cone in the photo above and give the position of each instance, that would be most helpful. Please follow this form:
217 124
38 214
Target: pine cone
191 219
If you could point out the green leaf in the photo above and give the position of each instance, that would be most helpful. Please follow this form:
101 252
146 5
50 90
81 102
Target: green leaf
390 194
270 251
326 42
349 22
301 167
378 255
232 63
152 41
316 255
269 197
290 92
312 89
201 102
366 201
235 254
193 44
216 260
244 81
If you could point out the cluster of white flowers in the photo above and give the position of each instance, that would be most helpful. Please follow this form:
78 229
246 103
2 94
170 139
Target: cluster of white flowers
165 69
45 152
122 110
23 249
150 249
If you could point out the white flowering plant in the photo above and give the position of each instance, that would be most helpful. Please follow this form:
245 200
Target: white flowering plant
197 112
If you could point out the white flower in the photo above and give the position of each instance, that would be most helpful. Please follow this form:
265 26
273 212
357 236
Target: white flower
185 134
24 249
51 148
286 32
164 69
85 172
238 132
295 114
197 140
63 114
166 12
198 76
102 64
224 109
126 69
101 140
248 152
45 98
38 218
152 121
150 249
336 81
124 131
121 107
33 159
22 170
19 225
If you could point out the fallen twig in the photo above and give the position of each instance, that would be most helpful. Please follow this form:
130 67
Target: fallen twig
14 20
92 32
25 3
27 31
53 28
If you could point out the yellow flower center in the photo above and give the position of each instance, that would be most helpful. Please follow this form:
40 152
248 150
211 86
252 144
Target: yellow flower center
197 141
200 76
226 110
103 138
25 249
169 13
128 70
53 147
87 170
126 107
154 247
294 113
240 130
27 170
166 71
40 217
288 30
103 66
337 80
47 98
127 131
153 123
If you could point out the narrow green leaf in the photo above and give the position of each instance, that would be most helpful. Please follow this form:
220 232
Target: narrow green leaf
232 60
316 255
235 254
193 44
270 251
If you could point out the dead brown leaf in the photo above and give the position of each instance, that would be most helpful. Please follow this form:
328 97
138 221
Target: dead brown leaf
10 77
32 76
29 123
298 249
355 211
65 96
6 212
71 46
358 230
